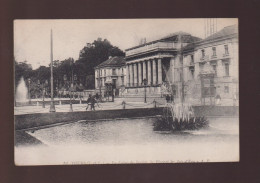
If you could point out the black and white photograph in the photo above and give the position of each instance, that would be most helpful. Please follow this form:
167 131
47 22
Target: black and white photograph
126 91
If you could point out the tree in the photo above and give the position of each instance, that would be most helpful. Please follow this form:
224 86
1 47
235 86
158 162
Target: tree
91 56
22 69
98 52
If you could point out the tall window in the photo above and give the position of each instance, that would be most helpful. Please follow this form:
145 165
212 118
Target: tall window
203 53
201 65
226 89
114 72
192 73
192 59
123 81
214 67
104 72
226 69
226 49
214 51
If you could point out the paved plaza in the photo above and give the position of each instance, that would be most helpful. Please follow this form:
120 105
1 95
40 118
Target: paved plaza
117 104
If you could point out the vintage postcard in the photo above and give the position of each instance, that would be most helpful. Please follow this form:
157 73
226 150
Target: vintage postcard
111 91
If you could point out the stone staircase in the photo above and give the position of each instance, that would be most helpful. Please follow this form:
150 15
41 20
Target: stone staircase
138 98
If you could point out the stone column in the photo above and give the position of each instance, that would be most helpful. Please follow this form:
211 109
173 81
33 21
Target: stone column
159 71
126 76
135 74
130 75
154 72
144 70
139 74
149 79
197 70
172 73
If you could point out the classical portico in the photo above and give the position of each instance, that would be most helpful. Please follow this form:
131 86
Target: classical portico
154 69
149 69
154 61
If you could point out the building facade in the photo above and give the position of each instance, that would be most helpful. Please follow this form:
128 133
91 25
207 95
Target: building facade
152 64
217 55
197 70
111 71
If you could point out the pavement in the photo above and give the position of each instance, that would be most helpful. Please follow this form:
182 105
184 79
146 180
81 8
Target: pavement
117 104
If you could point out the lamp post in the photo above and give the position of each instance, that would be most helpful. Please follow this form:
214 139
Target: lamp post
99 83
58 94
37 93
74 83
43 94
43 102
52 106
70 88
29 91
145 84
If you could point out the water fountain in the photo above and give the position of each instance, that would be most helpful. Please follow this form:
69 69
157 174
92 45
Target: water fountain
178 117
21 96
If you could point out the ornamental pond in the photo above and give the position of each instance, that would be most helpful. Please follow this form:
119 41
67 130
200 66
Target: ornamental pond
130 141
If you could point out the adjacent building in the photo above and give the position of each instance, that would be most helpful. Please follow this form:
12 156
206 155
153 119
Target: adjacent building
216 58
110 72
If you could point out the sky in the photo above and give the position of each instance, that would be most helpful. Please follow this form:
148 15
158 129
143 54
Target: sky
32 37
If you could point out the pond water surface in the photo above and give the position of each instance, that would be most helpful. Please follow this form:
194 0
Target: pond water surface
131 141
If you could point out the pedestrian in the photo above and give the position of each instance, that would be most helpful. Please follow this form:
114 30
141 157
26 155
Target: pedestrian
88 101
92 103
167 98
172 98
235 100
97 97
218 98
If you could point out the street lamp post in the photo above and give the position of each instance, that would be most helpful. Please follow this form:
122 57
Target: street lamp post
99 83
145 84
58 94
38 92
71 110
43 95
29 90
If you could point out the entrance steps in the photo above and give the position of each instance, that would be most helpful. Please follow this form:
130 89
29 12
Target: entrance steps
139 98
156 95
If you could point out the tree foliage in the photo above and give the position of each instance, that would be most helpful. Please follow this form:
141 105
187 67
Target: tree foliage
22 69
96 53
81 71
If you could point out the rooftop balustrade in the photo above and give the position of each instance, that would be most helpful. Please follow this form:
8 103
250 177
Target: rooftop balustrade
150 47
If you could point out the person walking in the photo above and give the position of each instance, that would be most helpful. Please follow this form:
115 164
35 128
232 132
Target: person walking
92 103
218 98
88 101
97 97
167 98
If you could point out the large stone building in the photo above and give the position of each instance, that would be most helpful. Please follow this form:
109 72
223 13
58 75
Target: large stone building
216 55
195 70
111 71
154 62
